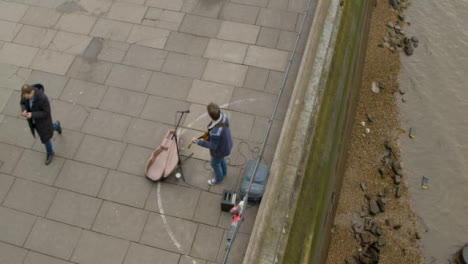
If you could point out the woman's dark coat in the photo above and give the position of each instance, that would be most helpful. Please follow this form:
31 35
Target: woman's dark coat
40 112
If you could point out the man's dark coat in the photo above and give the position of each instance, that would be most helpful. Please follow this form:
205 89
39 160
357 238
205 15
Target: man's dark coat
40 112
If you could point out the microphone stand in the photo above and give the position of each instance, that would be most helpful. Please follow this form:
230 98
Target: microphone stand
176 139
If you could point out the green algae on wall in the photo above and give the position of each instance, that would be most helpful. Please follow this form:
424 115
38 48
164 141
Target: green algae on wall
307 235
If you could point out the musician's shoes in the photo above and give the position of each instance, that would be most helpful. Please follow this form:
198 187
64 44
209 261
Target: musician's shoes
213 181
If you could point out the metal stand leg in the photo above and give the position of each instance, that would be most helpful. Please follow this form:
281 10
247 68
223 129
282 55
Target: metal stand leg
176 139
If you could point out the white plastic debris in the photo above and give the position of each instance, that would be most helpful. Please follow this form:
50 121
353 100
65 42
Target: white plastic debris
375 88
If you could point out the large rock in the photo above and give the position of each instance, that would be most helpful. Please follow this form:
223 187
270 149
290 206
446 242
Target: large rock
366 238
464 255
397 179
381 242
398 192
381 204
409 50
373 207
396 167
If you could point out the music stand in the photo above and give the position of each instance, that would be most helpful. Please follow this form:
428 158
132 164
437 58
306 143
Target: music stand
176 139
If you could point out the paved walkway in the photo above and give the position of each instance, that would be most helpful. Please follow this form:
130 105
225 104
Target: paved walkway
115 73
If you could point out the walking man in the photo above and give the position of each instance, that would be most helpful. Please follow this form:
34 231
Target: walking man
35 107
219 142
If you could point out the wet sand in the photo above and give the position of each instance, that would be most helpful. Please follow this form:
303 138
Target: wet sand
398 223
435 79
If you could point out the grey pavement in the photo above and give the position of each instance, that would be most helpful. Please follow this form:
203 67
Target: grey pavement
116 71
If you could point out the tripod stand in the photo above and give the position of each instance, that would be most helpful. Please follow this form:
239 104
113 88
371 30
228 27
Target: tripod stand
175 137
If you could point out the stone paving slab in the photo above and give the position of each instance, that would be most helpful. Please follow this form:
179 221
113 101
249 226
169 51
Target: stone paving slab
115 73
266 58
81 177
76 23
237 251
197 118
54 83
123 101
187 44
35 36
31 166
92 71
168 85
225 72
277 19
100 151
208 208
175 5
207 241
65 145
5 183
15 226
127 12
30 197
156 235
53 238
83 93
106 124
145 57
166 19
155 105
235 31
74 209
184 65
259 3
239 13
148 36
120 221
179 201
247 224
219 93
36 258
226 51
126 189
268 37
9 156
55 62
8 30
256 78
11 106
134 160
12 76
140 254
70 43
11 254
18 55
12 11
15 131
253 102
230 181
201 26
41 17
146 133
184 259
111 29
98 248
128 77
113 51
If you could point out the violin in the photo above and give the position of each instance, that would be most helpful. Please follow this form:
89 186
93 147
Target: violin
204 136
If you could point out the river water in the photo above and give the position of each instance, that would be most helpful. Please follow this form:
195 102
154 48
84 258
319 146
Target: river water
435 80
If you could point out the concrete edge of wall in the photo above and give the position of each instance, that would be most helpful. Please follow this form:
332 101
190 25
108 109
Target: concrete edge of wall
294 220
268 239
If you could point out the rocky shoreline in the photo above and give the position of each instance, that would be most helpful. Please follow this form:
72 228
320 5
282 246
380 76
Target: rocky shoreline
374 222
